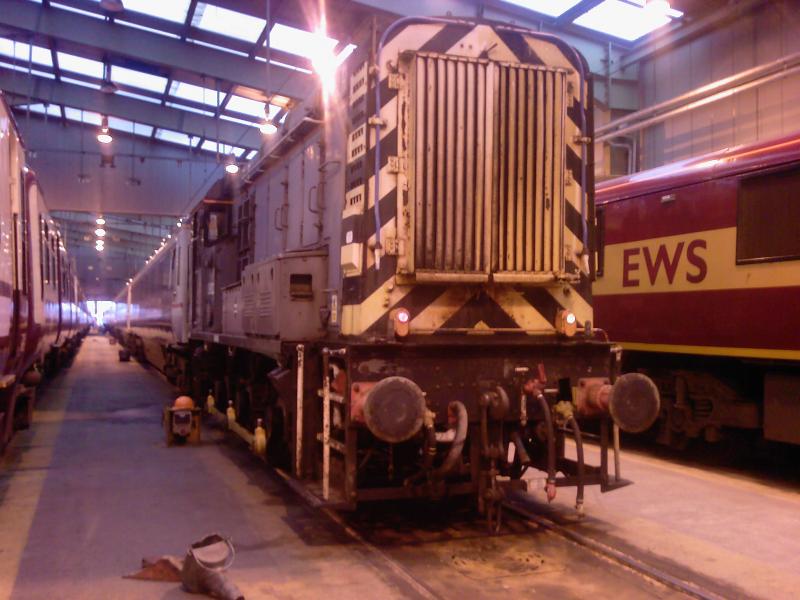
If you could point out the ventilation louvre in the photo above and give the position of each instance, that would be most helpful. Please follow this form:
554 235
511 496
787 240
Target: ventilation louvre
487 155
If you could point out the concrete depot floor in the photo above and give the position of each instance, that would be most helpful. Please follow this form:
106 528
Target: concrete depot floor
92 488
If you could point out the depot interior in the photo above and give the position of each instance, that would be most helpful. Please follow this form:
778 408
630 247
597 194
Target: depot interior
172 127
132 110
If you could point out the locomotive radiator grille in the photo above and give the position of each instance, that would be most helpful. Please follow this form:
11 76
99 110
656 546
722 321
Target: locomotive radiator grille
487 165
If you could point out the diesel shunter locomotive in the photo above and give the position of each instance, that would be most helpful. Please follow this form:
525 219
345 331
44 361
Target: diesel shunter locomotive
399 290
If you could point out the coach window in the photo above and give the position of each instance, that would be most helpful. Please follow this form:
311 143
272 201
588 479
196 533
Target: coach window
768 218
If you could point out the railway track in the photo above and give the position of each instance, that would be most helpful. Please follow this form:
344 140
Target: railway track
385 537
626 559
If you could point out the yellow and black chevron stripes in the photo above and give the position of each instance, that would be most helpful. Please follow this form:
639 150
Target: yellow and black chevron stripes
368 297
442 308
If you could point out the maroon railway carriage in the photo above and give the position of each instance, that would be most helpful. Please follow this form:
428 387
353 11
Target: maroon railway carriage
699 279
42 313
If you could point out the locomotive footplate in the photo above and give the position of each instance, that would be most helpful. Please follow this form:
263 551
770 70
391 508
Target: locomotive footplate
439 418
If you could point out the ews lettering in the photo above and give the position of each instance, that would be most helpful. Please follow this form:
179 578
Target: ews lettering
663 260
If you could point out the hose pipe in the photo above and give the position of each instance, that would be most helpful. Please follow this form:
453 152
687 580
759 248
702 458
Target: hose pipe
456 448
428 454
522 452
551 448
581 469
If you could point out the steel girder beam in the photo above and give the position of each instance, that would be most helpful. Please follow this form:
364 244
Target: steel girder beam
594 46
20 89
150 47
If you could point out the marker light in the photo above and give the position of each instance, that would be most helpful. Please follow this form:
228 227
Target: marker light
401 318
566 323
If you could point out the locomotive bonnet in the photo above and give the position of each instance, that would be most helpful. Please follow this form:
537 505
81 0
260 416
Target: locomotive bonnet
400 286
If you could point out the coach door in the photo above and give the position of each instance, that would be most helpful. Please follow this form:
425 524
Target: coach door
21 271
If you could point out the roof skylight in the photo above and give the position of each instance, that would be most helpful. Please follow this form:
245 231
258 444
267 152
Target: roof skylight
130 127
73 114
551 8
240 121
625 20
228 22
50 109
77 10
211 146
20 51
79 64
246 106
24 69
194 93
173 10
176 137
145 81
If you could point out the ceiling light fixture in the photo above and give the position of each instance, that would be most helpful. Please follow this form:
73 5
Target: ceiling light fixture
100 221
104 136
100 232
113 6
230 165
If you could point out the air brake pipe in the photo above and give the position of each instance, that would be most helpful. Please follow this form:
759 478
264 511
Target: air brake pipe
454 454
298 442
615 431
522 452
551 447
428 454
576 431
